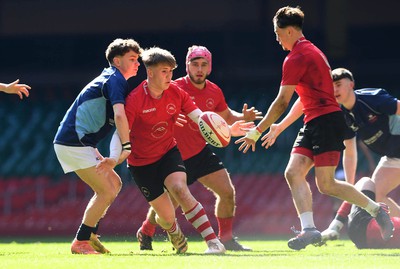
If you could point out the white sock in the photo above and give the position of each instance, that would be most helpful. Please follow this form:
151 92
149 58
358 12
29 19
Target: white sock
336 225
372 208
307 220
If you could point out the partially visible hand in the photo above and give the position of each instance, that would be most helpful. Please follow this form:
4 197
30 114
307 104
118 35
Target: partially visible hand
180 120
105 165
251 114
15 88
270 137
240 127
249 140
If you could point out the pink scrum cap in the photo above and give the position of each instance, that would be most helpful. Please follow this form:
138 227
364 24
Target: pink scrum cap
198 52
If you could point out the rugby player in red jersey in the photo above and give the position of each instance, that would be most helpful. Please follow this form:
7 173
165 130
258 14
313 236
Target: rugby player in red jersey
200 162
306 70
362 228
155 163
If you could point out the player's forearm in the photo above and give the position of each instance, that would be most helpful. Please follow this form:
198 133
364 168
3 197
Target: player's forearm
350 158
274 112
121 123
194 115
295 112
234 116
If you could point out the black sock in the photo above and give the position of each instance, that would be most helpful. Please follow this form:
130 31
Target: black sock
84 232
96 228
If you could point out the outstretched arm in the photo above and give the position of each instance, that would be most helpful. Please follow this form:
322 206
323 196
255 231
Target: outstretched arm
276 109
238 128
276 129
15 88
248 114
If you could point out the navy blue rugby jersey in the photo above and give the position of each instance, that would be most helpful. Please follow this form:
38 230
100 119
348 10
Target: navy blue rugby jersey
91 117
373 119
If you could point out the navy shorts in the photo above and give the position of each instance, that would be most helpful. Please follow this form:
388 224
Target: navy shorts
150 178
202 164
323 134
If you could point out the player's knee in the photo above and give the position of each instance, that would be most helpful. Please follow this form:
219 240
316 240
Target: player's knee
180 191
112 195
165 221
328 189
290 175
228 194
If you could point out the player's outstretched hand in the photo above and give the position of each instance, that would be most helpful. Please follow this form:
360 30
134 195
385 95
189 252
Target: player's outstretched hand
249 140
270 137
240 127
16 88
251 114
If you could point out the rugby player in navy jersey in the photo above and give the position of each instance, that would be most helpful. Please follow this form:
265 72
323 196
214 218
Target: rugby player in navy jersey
373 116
97 110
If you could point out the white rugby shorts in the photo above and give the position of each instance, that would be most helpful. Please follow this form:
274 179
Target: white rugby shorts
389 162
75 158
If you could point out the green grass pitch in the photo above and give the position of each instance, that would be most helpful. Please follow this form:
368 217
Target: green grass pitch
267 253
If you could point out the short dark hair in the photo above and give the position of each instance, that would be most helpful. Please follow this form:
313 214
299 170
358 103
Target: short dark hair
340 73
289 16
119 47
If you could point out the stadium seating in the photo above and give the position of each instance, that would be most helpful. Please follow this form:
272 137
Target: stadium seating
41 206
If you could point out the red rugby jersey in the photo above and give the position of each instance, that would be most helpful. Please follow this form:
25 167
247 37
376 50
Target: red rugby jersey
308 68
190 142
152 122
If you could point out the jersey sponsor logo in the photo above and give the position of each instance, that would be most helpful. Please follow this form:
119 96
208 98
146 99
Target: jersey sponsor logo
159 130
171 109
210 103
149 110
373 138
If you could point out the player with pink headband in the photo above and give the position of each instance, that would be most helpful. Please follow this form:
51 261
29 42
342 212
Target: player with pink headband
199 52
201 163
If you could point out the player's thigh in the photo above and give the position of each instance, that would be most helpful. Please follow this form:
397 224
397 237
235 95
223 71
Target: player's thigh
100 182
386 179
219 182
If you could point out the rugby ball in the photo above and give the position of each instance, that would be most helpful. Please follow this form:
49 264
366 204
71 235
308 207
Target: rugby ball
214 129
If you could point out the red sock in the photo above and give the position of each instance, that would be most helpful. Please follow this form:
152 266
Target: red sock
225 228
198 218
148 228
344 209
173 229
